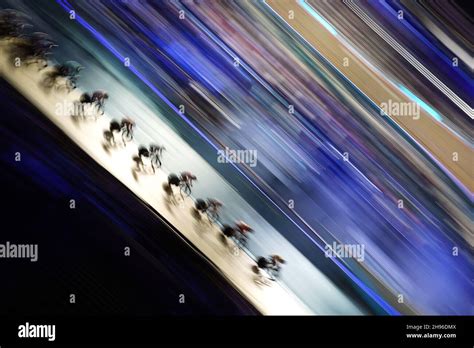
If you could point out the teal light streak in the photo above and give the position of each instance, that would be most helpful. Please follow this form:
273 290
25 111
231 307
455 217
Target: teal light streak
318 17
435 114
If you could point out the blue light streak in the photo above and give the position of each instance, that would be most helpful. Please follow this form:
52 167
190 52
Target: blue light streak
379 300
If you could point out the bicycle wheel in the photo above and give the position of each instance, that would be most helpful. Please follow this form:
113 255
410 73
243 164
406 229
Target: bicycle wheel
100 108
127 135
155 161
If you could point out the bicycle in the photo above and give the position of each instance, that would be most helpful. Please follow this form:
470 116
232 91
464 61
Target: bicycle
127 134
99 107
155 162
240 239
184 187
156 153
212 215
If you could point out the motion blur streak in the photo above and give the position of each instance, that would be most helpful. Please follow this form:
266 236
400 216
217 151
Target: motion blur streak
371 293
304 83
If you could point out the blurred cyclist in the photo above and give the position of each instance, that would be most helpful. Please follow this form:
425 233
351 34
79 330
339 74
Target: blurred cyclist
114 126
272 265
242 227
188 178
99 98
143 152
276 261
127 123
242 230
214 205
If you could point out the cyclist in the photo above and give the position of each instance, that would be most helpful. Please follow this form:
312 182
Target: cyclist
156 149
242 227
143 152
174 180
214 206
272 265
275 263
263 263
69 70
126 126
201 205
99 97
186 182
114 126
187 178
85 98
156 152
33 49
12 23
82 107
228 231
243 230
